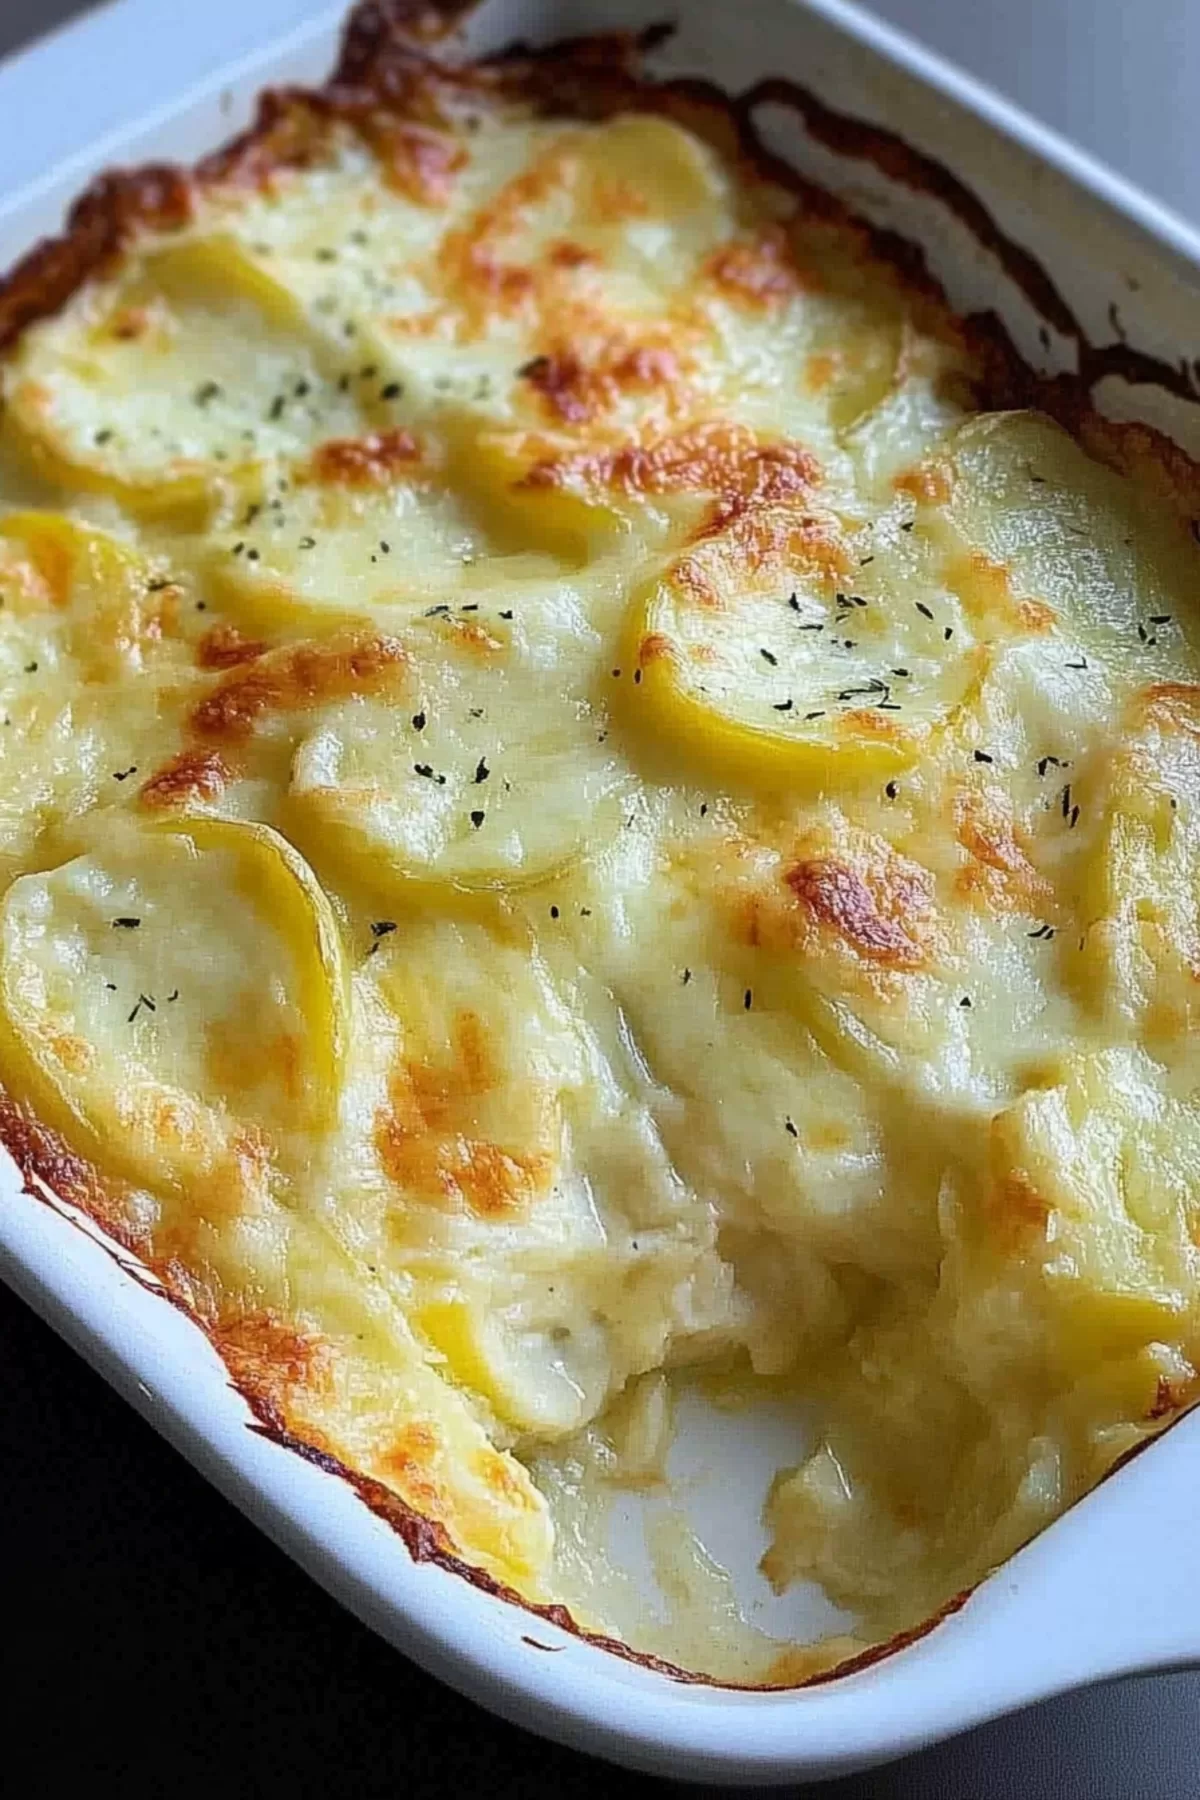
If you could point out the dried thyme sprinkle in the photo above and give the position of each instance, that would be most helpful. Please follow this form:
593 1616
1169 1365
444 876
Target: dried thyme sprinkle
481 770
982 756
381 927
790 1128
477 819
126 924
748 999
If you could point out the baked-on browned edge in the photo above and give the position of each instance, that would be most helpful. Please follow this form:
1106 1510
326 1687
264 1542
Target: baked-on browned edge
385 72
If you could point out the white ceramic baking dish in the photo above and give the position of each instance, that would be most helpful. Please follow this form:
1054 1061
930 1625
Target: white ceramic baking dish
1115 1585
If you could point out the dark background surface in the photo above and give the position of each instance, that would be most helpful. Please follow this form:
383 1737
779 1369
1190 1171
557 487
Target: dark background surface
158 1640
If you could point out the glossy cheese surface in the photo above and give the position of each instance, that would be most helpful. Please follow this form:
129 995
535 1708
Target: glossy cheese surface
571 809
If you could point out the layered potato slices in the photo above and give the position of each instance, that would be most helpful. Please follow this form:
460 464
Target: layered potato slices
578 817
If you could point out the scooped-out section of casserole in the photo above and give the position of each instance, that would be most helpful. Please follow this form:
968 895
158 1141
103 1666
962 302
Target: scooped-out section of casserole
585 824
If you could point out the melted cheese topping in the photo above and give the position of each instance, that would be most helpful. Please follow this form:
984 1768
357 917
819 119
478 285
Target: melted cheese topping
568 812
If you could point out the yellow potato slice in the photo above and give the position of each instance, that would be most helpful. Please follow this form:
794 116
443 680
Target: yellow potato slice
80 612
493 769
489 1089
542 1382
366 530
1091 1203
1133 962
113 612
175 998
771 665
192 364
551 1249
1115 569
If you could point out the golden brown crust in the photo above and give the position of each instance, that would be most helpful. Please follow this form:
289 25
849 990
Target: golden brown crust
428 1142
224 647
370 461
102 221
729 461
761 272
882 919
190 776
298 677
576 390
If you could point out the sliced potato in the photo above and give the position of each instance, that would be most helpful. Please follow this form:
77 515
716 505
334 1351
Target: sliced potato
1134 960
1115 570
81 612
367 529
114 611
490 1082
1091 1204
768 651
495 768
192 364
545 1382
175 997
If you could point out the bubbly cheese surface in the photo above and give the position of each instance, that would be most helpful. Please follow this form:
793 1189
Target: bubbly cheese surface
570 809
